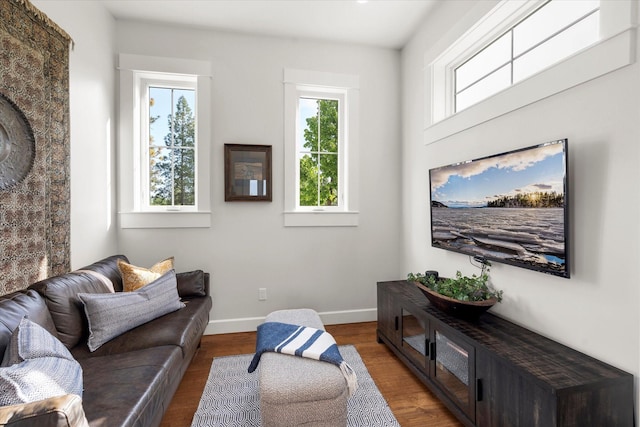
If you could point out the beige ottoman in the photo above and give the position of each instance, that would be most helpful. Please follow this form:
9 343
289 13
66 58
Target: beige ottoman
297 391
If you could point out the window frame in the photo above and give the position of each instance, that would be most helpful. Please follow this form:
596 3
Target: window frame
318 85
135 210
613 51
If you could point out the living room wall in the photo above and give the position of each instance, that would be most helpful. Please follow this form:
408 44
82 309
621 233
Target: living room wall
596 311
330 269
92 117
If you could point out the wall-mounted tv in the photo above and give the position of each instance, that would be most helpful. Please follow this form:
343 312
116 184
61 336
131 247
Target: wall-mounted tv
510 208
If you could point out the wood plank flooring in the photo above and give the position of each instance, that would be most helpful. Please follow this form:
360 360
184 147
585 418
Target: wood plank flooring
411 402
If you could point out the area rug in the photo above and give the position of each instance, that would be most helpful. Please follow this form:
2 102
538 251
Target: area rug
230 397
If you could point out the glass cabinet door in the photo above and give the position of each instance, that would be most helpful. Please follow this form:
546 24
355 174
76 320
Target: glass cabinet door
415 338
453 369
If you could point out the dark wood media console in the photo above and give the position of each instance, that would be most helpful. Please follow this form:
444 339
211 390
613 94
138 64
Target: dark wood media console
491 372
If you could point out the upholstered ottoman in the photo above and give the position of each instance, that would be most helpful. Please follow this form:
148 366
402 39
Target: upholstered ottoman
298 391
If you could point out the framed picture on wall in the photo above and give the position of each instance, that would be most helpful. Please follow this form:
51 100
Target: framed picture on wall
247 172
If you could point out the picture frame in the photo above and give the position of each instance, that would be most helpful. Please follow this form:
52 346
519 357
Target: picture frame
247 173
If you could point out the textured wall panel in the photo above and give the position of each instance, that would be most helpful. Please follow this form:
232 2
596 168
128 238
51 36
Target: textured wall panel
34 214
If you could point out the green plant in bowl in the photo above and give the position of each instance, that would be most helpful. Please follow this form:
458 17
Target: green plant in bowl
461 288
462 296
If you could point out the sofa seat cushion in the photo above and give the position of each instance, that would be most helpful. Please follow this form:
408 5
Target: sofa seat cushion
14 307
129 389
181 328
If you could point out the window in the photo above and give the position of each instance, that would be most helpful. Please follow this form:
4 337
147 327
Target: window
321 142
164 150
522 52
169 171
551 33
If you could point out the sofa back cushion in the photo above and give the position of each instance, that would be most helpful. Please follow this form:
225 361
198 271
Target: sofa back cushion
60 294
109 267
15 306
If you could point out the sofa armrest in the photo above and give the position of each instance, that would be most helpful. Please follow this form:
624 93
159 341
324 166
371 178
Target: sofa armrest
193 284
60 411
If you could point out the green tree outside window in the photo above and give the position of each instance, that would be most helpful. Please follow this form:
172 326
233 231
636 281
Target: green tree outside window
172 165
319 156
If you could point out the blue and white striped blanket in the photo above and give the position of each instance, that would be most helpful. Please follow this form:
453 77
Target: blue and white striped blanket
301 341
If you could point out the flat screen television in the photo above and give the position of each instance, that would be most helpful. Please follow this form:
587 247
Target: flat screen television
510 208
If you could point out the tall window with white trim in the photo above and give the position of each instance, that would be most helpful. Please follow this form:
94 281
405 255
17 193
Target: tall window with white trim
164 142
321 148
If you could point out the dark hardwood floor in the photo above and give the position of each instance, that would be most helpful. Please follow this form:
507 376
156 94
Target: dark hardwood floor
411 402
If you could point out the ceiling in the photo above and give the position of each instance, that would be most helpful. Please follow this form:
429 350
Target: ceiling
383 23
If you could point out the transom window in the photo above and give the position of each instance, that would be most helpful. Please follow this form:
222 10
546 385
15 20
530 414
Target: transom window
550 46
554 31
318 151
171 152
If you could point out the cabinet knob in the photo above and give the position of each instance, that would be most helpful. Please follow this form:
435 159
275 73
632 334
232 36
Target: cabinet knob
396 323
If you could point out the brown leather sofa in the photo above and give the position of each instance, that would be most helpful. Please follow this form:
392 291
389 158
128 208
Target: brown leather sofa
128 381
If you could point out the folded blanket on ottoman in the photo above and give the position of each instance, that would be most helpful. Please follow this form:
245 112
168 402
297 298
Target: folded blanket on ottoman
302 341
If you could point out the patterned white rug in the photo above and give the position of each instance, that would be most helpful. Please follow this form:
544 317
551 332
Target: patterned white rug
230 397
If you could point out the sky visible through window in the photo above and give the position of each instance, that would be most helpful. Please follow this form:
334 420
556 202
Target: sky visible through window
308 108
555 31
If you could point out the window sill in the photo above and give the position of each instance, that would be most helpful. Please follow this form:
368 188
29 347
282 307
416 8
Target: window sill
321 219
165 219
602 58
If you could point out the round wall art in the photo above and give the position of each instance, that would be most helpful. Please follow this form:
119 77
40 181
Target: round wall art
17 144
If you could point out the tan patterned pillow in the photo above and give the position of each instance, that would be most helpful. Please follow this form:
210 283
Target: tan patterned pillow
134 277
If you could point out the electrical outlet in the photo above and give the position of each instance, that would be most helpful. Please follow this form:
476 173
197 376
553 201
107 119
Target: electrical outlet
262 294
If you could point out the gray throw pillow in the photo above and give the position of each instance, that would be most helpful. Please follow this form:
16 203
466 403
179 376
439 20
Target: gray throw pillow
110 315
31 341
37 366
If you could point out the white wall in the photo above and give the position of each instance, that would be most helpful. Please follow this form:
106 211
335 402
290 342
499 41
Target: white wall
247 247
596 311
92 113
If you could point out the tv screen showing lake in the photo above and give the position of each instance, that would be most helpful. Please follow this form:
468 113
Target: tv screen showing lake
509 208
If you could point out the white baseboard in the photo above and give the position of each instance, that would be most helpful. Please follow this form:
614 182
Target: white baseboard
250 324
